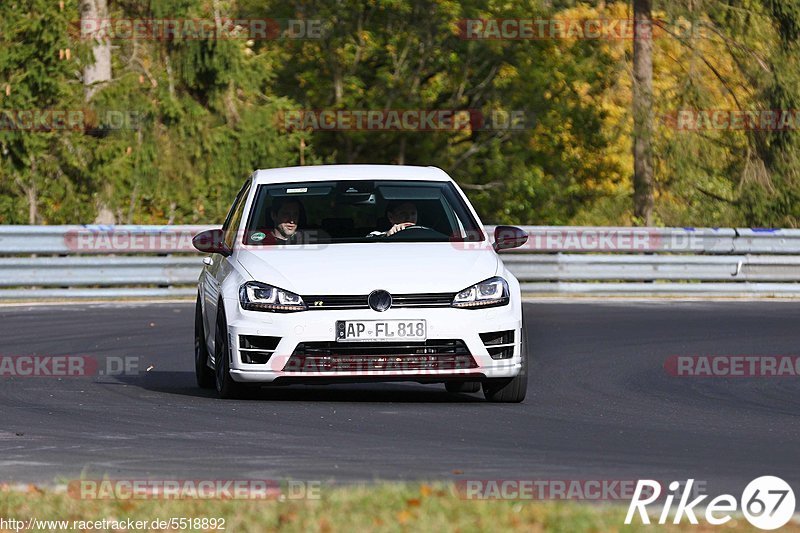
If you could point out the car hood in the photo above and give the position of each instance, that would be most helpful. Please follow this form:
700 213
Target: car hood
399 268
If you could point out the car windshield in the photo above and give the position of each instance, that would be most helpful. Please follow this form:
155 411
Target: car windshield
350 211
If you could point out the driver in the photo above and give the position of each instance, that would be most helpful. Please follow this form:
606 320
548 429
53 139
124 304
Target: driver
401 215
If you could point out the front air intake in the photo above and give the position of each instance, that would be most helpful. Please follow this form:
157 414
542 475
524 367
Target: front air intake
256 350
499 344
390 357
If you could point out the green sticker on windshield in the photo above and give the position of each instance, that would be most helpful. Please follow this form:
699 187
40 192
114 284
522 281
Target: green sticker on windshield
257 236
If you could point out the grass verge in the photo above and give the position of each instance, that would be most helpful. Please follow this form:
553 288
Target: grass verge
380 507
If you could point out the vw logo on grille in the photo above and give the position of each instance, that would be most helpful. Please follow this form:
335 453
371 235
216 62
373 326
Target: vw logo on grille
379 300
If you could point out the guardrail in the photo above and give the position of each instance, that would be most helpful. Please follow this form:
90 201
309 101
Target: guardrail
151 261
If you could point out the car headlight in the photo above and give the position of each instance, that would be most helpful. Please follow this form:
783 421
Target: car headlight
490 293
255 296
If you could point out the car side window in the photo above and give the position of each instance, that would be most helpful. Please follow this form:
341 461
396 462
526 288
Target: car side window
235 216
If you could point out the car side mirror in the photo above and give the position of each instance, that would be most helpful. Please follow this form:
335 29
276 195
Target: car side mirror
211 241
507 237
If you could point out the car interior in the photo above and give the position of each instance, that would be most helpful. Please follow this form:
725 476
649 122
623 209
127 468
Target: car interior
350 211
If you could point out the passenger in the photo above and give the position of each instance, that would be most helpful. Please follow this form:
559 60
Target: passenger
286 214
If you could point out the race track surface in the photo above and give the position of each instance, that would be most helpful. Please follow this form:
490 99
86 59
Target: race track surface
600 405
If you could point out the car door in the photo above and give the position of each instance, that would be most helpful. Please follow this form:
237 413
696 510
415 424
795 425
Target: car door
216 272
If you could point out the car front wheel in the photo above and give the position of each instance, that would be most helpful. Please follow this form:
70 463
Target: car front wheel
512 390
226 386
205 376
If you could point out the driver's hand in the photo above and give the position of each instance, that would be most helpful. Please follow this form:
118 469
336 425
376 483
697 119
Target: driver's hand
398 227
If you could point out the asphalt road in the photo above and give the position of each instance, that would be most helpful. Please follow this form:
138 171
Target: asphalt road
600 405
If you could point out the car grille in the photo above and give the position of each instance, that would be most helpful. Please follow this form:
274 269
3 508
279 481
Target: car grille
399 301
380 357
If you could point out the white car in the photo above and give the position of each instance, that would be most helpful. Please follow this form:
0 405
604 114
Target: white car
337 273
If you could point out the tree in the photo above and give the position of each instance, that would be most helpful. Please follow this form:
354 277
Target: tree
643 112
38 155
96 73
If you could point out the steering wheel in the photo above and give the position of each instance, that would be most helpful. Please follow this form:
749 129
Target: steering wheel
415 230
415 226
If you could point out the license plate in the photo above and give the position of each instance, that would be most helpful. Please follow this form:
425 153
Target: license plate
381 330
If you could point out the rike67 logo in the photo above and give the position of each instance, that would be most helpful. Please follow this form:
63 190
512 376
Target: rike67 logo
767 503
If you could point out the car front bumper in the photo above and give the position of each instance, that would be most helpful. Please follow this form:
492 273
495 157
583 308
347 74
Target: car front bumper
318 326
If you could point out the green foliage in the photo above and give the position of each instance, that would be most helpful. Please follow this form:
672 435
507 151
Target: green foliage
36 74
201 114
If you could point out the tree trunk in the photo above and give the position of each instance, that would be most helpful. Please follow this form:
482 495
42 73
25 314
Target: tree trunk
643 112
302 152
98 73
33 204
401 153
31 194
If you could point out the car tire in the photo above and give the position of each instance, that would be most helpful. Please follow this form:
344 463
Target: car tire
462 386
510 390
227 388
204 374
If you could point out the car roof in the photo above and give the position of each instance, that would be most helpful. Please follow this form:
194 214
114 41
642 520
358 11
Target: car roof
349 172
